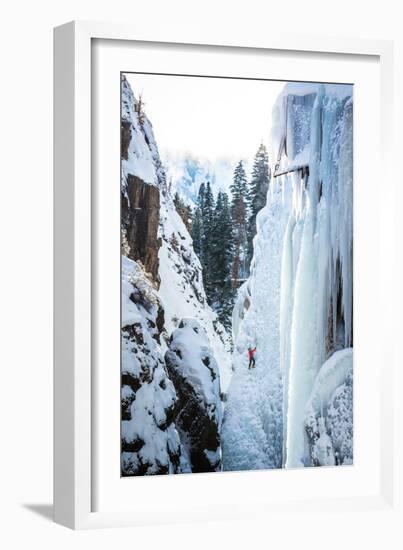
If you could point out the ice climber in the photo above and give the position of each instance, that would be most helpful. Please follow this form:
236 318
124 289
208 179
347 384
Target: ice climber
251 354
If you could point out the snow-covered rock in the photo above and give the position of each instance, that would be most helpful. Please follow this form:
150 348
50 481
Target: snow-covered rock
194 371
150 441
300 286
141 180
139 151
162 282
329 412
157 236
182 292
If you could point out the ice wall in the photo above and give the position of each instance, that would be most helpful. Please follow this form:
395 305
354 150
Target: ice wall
253 418
301 281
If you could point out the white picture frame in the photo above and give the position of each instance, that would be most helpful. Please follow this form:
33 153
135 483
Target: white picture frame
75 392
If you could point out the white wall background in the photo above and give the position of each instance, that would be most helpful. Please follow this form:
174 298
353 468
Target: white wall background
26 270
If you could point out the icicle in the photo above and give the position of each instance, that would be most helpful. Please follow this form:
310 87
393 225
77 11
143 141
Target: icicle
286 301
301 285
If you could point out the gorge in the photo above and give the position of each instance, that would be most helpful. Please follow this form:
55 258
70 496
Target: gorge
189 401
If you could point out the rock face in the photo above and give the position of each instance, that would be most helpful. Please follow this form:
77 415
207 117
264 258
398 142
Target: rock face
140 215
150 442
154 234
171 411
194 372
143 179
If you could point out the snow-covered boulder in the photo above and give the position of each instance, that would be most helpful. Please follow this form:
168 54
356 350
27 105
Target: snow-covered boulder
194 371
329 412
150 441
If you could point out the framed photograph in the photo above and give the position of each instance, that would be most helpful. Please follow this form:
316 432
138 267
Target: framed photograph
220 237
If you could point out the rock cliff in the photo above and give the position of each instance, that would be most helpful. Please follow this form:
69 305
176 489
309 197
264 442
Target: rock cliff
170 424
194 372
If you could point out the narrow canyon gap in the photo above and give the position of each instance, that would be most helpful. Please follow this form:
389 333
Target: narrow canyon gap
189 401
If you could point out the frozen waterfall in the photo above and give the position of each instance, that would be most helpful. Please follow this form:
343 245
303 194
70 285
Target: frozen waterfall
299 300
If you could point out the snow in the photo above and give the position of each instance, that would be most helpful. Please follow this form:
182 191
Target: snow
241 306
151 441
340 421
194 371
141 157
331 375
323 454
300 288
151 395
252 426
328 411
133 276
295 407
197 364
181 289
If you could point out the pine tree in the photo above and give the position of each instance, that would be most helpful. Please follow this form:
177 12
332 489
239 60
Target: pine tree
222 236
197 232
197 224
200 196
213 243
202 226
139 108
239 190
258 188
239 221
239 185
208 208
221 253
207 212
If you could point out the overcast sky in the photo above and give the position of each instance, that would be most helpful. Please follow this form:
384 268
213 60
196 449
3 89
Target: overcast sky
208 117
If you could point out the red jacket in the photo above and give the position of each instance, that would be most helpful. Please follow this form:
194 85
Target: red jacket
251 352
